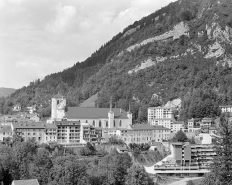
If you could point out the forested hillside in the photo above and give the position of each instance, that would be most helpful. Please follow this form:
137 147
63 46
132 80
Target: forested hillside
181 51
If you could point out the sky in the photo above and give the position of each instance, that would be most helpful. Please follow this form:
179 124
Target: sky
40 37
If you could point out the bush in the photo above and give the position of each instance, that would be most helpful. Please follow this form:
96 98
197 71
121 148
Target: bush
186 15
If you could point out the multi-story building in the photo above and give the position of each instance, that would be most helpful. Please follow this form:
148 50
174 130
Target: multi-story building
74 133
40 132
143 133
206 122
177 125
97 117
5 131
226 108
162 116
187 160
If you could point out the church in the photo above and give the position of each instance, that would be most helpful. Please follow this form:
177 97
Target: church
105 118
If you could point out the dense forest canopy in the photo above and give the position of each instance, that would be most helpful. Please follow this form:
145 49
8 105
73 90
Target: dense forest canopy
193 65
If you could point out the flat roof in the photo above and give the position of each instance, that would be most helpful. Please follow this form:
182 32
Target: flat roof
181 171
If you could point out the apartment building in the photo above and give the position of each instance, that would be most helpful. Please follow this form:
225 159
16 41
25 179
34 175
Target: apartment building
162 116
75 133
177 125
40 132
144 133
186 160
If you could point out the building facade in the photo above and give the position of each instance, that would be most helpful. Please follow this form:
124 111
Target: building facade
144 133
162 116
75 133
5 131
187 160
40 132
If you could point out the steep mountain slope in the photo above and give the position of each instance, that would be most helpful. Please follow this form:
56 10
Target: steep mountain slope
6 91
183 50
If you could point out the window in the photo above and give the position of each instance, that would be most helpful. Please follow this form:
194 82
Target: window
106 123
120 123
100 123
93 123
114 123
86 121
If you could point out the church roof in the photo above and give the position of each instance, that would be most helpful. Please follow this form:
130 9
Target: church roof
93 113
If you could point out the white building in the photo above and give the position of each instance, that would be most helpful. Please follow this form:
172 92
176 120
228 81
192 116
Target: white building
226 108
162 116
177 125
75 133
160 112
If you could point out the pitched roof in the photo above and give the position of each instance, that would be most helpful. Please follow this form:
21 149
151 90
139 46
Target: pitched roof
39 125
148 127
93 113
25 182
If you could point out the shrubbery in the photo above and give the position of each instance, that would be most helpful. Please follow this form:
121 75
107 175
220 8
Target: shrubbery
186 15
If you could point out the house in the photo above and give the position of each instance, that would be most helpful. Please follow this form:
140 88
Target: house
41 132
206 122
5 131
25 182
33 117
17 108
32 109
121 149
177 125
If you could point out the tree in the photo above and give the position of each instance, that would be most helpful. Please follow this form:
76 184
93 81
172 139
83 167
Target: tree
222 163
137 176
209 179
180 136
186 15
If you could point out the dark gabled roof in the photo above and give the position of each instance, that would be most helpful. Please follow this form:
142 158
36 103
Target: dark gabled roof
26 182
58 95
39 125
93 113
148 127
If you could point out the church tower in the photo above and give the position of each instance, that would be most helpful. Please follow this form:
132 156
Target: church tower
129 115
110 115
58 107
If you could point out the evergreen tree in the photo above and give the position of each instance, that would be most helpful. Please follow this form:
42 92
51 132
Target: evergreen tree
222 164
